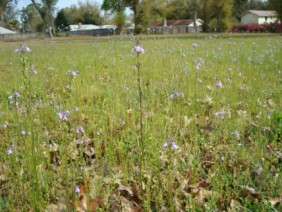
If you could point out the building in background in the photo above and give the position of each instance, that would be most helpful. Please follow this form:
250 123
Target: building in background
259 17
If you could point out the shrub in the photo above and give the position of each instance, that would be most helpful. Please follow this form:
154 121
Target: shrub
253 27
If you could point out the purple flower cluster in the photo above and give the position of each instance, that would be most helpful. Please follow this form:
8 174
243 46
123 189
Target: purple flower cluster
24 48
63 115
171 143
176 94
79 129
137 49
73 73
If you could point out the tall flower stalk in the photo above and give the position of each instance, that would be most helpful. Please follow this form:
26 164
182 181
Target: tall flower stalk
138 49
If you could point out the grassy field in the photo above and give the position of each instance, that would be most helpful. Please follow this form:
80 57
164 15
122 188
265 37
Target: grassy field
199 130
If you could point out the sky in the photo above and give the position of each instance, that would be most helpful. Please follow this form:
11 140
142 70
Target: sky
61 3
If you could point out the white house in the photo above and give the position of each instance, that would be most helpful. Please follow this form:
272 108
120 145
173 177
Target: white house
259 17
4 31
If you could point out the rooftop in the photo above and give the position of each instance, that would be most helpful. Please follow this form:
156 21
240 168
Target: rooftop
262 13
4 31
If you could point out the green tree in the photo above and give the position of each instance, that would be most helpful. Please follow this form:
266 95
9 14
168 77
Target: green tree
221 12
239 7
116 7
46 8
86 13
61 22
4 6
277 6
31 20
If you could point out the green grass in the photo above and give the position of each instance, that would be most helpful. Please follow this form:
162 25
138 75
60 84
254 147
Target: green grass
227 126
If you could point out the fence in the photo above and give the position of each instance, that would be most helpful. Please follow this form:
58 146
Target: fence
93 32
17 36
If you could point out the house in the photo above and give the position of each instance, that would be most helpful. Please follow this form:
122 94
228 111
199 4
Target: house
92 30
4 31
259 17
176 26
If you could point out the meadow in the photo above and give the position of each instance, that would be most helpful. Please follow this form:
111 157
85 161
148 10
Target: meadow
193 124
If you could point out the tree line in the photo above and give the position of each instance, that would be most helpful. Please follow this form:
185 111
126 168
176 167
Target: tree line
42 15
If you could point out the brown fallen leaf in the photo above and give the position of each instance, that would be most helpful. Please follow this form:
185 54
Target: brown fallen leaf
56 208
275 201
248 192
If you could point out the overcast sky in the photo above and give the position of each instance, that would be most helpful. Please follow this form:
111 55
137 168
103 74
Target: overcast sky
61 3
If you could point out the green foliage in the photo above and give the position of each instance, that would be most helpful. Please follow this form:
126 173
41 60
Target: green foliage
277 6
61 22
86 13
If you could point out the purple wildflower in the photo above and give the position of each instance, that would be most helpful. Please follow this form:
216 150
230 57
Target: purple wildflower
165 144
63 115
138 49
77 190
80 129
176 94
23 49
170 144
10 151
219 84
73 73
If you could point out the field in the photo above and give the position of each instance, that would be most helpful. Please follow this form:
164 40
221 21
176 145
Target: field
193 124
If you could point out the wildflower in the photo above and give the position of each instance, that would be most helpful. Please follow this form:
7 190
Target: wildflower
80 130
165 144
170 143
77 190
10 151
73 73
63 115
138 49
199 80
220 114
219 84
32 70
17 94
194 44
177 94
174 146
46 132
222 158
23 49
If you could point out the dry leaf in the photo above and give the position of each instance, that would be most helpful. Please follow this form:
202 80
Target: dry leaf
275 201
56 208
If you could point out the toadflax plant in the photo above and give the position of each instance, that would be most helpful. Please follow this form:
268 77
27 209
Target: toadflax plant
138 49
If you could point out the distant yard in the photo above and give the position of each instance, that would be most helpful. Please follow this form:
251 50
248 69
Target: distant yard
71 136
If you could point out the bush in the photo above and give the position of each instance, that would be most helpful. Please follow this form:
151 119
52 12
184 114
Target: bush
253 27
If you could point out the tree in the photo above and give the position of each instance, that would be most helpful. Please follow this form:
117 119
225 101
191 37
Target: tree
61 22
31 20
277 6
46 9
86 13
116 7
239 7
221 12
4 5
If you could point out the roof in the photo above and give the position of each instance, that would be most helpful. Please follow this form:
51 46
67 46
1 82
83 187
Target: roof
262 13
79 27
6 31
173 23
